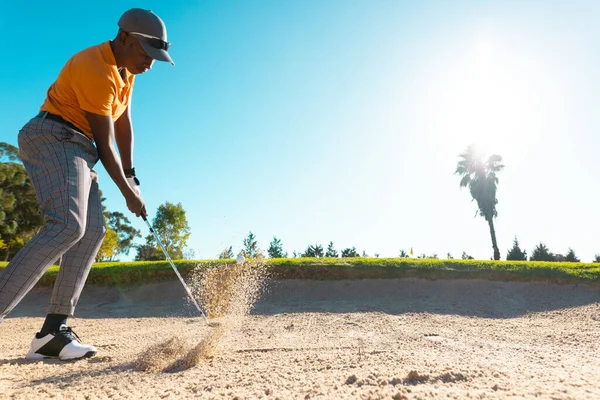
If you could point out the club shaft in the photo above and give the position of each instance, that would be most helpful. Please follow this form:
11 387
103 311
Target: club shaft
187 289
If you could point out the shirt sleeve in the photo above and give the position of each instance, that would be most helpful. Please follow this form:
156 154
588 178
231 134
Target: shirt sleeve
93 87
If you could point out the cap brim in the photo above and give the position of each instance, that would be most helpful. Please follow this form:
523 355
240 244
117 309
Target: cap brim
157 54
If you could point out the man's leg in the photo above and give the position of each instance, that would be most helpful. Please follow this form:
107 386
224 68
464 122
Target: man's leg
78 260
56 168
59 164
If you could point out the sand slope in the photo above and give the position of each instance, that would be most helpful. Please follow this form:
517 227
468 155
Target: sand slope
371 339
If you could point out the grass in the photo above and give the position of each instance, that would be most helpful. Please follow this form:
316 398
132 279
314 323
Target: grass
359 268
122 273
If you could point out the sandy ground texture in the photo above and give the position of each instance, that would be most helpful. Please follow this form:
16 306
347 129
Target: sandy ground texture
367 339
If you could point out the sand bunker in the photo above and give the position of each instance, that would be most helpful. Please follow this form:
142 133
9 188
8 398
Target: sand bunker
364 339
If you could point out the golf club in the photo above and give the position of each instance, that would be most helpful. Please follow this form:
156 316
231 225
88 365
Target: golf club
187 289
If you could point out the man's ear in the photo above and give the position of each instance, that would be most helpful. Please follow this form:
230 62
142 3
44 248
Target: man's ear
122 36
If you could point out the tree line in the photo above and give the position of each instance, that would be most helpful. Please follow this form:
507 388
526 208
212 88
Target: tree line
251 249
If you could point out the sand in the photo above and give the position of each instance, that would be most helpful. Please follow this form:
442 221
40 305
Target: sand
367 339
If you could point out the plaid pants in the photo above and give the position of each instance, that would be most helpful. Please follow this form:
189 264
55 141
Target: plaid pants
59 162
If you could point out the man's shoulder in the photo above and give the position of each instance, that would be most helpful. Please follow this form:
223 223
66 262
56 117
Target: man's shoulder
91 61
91 54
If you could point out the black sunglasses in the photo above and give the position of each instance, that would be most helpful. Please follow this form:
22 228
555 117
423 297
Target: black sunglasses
153 41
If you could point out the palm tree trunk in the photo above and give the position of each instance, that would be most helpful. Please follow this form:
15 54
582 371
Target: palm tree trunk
494 243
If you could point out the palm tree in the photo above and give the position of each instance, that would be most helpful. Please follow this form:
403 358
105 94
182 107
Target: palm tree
482 180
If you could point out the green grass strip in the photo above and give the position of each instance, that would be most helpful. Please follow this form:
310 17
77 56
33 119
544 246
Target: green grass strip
123 273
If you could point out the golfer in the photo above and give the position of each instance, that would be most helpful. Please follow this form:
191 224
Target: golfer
86 109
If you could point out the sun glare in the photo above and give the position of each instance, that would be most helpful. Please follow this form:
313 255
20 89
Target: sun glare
490 95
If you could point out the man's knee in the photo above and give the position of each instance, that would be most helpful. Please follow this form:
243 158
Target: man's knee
96 229
73 231
102 231
74 228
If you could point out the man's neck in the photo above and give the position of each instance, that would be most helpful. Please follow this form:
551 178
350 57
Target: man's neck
115 49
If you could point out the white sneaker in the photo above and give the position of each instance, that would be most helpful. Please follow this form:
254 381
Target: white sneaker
64 345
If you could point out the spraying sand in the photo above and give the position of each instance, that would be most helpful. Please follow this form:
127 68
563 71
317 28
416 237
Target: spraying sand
160 355
367 339
225 291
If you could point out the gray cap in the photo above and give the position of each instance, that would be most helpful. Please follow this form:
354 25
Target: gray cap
149 30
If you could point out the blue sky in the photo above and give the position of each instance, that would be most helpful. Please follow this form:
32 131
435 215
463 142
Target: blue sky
342 120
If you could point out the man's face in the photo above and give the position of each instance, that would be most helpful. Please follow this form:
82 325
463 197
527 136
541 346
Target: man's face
137 61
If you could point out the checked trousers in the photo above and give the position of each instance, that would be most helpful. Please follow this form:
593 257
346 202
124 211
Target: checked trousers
59 162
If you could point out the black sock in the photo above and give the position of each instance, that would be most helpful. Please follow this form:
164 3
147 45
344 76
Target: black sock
52 323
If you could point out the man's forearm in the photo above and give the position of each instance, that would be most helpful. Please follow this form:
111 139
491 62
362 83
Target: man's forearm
103 131
110 160
124 138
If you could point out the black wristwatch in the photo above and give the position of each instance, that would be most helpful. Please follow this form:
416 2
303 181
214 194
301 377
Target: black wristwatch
129 172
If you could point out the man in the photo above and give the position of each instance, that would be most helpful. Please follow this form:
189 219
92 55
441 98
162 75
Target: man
86 109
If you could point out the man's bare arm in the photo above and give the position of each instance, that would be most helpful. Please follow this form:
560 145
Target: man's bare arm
124 136
104 136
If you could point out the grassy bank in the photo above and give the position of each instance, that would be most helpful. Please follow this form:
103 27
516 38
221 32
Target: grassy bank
352 268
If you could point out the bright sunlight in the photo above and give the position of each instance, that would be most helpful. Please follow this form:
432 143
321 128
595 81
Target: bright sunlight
490 92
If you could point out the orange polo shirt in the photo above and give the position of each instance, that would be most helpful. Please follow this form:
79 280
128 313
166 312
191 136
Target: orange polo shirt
89 81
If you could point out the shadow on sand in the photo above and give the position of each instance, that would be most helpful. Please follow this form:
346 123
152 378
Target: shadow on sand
467 297
64 380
